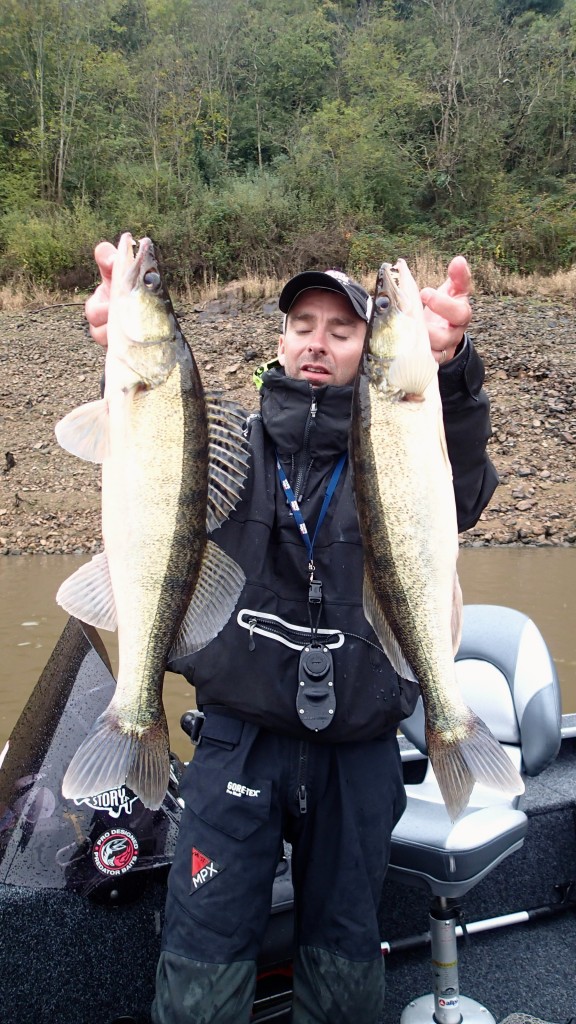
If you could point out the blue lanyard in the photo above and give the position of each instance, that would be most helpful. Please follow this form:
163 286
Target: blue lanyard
294 506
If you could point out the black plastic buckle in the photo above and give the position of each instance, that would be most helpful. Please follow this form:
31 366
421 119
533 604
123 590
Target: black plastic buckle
192 723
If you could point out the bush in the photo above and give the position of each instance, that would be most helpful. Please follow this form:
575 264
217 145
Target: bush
241 228
525 233
49 244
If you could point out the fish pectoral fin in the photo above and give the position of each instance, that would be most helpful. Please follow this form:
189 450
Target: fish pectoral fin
381 627
219 586
477 757
228 458
85 431
115 753
87 594
412 371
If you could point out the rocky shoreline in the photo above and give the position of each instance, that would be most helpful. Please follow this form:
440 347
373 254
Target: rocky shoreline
50 501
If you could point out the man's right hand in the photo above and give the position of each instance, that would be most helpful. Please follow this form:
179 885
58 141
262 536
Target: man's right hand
96 307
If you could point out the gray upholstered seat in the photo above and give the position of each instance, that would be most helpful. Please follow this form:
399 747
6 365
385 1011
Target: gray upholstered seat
506 674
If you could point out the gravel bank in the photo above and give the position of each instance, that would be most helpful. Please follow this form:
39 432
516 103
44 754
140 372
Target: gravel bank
50 501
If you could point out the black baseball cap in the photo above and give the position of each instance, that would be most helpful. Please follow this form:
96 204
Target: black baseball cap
328 280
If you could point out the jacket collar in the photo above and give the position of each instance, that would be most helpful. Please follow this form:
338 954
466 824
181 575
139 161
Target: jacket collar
286 405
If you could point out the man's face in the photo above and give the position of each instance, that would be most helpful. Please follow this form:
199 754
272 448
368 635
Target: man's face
323 339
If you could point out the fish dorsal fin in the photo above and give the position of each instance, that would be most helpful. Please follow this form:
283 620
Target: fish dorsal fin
228 454
413 370
217 591
85 431
87 594
381 627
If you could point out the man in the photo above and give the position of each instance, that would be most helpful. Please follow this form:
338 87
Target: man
260 775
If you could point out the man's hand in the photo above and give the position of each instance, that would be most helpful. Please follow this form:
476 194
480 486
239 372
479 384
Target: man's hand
96 307
447 310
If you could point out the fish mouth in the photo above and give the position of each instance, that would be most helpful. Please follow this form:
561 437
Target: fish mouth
139 263
146 269
388 291
394 272
388 282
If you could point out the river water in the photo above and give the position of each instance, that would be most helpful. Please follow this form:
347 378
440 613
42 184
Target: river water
537 581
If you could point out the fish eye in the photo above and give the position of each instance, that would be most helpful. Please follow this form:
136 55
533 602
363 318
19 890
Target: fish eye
382 303
152 279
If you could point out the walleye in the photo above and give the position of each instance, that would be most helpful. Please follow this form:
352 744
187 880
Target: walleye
173 465
407 514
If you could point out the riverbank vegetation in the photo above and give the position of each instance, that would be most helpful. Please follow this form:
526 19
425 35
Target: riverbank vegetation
252 138
26 294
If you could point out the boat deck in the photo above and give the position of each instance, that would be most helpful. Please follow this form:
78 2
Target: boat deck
67 960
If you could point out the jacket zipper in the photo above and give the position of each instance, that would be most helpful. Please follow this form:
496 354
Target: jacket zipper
296 636
302 773
305 457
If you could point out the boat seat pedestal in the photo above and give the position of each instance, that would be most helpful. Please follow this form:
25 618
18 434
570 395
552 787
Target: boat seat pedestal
507 676
445 1005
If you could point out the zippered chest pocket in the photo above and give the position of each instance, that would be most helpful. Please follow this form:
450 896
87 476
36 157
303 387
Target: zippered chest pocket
272 627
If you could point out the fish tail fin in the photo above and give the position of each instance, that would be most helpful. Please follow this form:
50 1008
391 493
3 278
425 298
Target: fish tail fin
114 754
149 770
477 757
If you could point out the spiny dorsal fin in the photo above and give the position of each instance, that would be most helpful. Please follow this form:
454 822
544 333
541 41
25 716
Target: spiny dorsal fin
228 454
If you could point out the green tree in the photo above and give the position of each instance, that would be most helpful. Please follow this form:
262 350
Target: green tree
541 98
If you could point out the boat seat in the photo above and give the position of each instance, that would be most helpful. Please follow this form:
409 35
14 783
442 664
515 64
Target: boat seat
507 676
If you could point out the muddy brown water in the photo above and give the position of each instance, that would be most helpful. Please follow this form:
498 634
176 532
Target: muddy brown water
537 581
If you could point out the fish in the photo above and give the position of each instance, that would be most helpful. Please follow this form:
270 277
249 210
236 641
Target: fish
404 494
174 462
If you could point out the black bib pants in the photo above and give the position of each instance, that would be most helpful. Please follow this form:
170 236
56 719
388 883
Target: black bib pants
245 791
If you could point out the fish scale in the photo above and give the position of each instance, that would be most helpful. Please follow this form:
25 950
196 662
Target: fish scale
148 504
419 603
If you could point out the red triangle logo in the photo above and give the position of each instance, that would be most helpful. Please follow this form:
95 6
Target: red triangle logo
199 861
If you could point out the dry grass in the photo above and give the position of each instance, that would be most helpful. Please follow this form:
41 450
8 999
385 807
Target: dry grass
426 267
245 288
18 295
489 279
560 284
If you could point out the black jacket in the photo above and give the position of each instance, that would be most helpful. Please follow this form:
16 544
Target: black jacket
252 666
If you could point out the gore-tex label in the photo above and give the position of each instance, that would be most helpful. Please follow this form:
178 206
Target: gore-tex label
236 789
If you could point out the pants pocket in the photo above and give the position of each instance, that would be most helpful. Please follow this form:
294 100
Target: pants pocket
226 858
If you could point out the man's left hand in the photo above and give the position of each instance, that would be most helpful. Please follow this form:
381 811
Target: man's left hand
447 310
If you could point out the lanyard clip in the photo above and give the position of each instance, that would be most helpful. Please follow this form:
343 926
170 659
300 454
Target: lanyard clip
315 592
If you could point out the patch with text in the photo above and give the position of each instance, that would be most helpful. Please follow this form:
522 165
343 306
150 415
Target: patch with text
115 851
203 870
